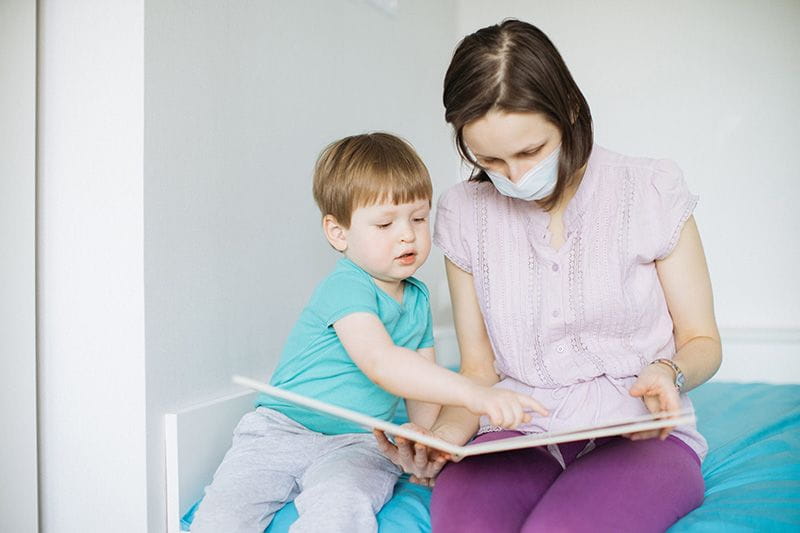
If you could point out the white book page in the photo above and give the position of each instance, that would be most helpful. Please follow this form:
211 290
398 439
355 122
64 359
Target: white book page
619 427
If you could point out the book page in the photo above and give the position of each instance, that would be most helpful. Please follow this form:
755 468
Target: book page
606 429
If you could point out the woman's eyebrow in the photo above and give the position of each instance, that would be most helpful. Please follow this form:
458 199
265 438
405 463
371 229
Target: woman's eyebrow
528 148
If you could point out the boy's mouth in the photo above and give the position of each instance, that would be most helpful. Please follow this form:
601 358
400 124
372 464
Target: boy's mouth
407 258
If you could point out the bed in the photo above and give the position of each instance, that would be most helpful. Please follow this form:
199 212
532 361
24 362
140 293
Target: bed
752 471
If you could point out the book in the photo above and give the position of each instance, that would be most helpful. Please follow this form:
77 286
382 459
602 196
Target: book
607 429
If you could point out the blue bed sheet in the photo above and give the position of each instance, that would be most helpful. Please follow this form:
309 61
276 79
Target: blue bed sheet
752 471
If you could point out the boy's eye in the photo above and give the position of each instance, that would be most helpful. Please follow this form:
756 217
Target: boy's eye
384 226
420 219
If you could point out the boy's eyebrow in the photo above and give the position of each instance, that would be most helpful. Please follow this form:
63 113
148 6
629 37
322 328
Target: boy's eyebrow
386 209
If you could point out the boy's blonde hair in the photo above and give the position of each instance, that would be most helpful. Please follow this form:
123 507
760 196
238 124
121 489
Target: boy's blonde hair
366 169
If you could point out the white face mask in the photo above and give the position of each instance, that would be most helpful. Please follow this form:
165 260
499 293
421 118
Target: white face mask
535 184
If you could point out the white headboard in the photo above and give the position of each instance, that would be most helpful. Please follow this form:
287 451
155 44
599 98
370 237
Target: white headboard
196 441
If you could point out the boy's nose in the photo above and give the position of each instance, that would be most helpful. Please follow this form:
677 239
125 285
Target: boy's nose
408 235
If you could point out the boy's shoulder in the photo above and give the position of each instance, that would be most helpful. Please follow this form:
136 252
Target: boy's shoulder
345 274
420 285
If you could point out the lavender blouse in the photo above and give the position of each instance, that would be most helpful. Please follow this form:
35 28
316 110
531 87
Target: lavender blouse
572 327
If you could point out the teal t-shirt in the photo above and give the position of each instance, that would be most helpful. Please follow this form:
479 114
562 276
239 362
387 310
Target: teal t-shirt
314 362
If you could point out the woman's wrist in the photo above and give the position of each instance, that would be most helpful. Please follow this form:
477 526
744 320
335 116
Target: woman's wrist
458 431
678 378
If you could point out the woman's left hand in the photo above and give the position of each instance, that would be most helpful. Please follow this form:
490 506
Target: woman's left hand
656 387
421 462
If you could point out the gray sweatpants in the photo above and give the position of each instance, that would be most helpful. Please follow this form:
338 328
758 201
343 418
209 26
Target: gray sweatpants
338 482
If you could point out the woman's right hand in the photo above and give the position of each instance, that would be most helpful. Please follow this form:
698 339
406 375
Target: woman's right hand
504 408
421 462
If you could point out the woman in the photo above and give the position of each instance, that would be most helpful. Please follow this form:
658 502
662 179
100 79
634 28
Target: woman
577 276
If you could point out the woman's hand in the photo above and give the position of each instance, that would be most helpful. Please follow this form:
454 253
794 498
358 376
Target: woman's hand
656 387
504 408
421 462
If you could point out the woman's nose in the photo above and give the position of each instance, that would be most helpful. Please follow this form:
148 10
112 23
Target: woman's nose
516 172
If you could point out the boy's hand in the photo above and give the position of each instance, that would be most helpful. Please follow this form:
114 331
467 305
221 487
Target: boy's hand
504 408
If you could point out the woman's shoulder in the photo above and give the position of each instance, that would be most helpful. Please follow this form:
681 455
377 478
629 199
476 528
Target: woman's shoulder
619 164
458 195
462 188
465 192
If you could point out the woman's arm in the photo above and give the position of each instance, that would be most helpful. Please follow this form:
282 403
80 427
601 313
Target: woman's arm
454 424
687 289
477 358
423 414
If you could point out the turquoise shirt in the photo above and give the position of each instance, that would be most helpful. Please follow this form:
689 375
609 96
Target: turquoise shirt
314 362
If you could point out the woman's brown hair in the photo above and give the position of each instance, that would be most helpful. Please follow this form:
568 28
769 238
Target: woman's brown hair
514 67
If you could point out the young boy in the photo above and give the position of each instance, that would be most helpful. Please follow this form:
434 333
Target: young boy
363 341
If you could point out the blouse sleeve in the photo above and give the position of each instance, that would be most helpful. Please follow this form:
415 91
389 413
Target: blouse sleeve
665 205
454 226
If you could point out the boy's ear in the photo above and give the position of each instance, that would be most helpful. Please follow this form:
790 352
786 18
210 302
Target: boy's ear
334 232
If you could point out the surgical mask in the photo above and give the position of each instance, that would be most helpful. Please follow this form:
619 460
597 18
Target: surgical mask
535 184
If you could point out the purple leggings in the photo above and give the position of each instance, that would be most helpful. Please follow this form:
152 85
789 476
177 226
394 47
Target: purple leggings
622 485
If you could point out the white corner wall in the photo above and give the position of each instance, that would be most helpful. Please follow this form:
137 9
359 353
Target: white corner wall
18 461
240 97
92 445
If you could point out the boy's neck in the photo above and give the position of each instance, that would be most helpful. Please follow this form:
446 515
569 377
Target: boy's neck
395 289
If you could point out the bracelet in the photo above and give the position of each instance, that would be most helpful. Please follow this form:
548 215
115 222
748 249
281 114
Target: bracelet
680 378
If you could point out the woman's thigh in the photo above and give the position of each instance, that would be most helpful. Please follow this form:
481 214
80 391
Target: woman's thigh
492 492
622 485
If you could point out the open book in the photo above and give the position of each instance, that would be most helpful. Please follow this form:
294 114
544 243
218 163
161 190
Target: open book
620 427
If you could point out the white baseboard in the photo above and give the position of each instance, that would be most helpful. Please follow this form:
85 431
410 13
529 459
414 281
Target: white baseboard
767 355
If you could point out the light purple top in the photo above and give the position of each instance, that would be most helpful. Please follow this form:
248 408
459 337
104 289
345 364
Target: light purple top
572 327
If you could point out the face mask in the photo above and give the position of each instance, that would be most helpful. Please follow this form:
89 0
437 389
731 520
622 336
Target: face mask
535 184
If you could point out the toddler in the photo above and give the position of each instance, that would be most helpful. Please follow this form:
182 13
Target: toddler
363 342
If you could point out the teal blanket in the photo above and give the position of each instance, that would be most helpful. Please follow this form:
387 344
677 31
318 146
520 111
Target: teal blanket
752 470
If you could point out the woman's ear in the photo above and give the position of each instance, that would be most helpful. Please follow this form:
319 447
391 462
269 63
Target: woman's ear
334 232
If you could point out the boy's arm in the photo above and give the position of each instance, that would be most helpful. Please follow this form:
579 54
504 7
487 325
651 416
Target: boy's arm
399 370
420 413
406 373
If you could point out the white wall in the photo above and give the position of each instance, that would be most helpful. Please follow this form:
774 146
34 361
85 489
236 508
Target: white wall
240 97
18 470
90 251
712 85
